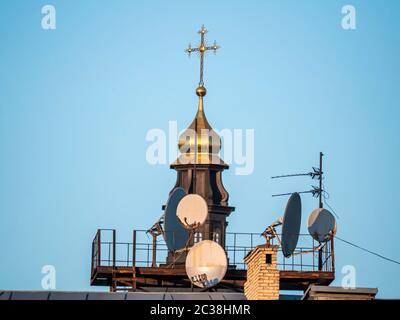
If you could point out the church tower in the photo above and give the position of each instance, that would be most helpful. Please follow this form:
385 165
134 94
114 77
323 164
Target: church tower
199 167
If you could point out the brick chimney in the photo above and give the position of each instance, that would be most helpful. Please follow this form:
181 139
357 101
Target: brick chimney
262 273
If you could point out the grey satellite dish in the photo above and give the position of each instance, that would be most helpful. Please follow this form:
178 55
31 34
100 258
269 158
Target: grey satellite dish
175 235
291 225
321 225
206 264
192 211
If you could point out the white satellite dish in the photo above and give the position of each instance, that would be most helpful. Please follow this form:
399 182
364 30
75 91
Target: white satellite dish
322 225
206 264
192 211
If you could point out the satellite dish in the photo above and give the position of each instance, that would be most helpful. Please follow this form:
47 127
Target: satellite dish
291 225
321 225
206 264
192 211
175 235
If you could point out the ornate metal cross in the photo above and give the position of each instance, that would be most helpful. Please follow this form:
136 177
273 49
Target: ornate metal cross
202 48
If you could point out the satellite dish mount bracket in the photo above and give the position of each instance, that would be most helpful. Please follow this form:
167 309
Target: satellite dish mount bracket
270 233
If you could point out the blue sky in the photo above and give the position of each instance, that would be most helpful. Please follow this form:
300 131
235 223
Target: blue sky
76 104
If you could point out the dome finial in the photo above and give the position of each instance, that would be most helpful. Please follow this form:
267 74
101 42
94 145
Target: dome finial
201 91
202 49
199 143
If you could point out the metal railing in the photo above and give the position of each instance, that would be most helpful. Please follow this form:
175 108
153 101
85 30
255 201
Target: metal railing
144 251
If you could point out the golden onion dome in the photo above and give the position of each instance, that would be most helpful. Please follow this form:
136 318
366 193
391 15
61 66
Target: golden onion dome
208 141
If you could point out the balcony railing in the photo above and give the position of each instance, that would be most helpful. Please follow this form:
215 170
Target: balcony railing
146 251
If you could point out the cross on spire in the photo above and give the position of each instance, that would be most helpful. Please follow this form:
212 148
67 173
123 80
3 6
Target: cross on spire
202 48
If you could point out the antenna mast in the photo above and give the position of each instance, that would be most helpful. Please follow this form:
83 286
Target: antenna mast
321 155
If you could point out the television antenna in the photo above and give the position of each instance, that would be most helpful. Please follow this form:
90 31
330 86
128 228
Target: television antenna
316 173
321 223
